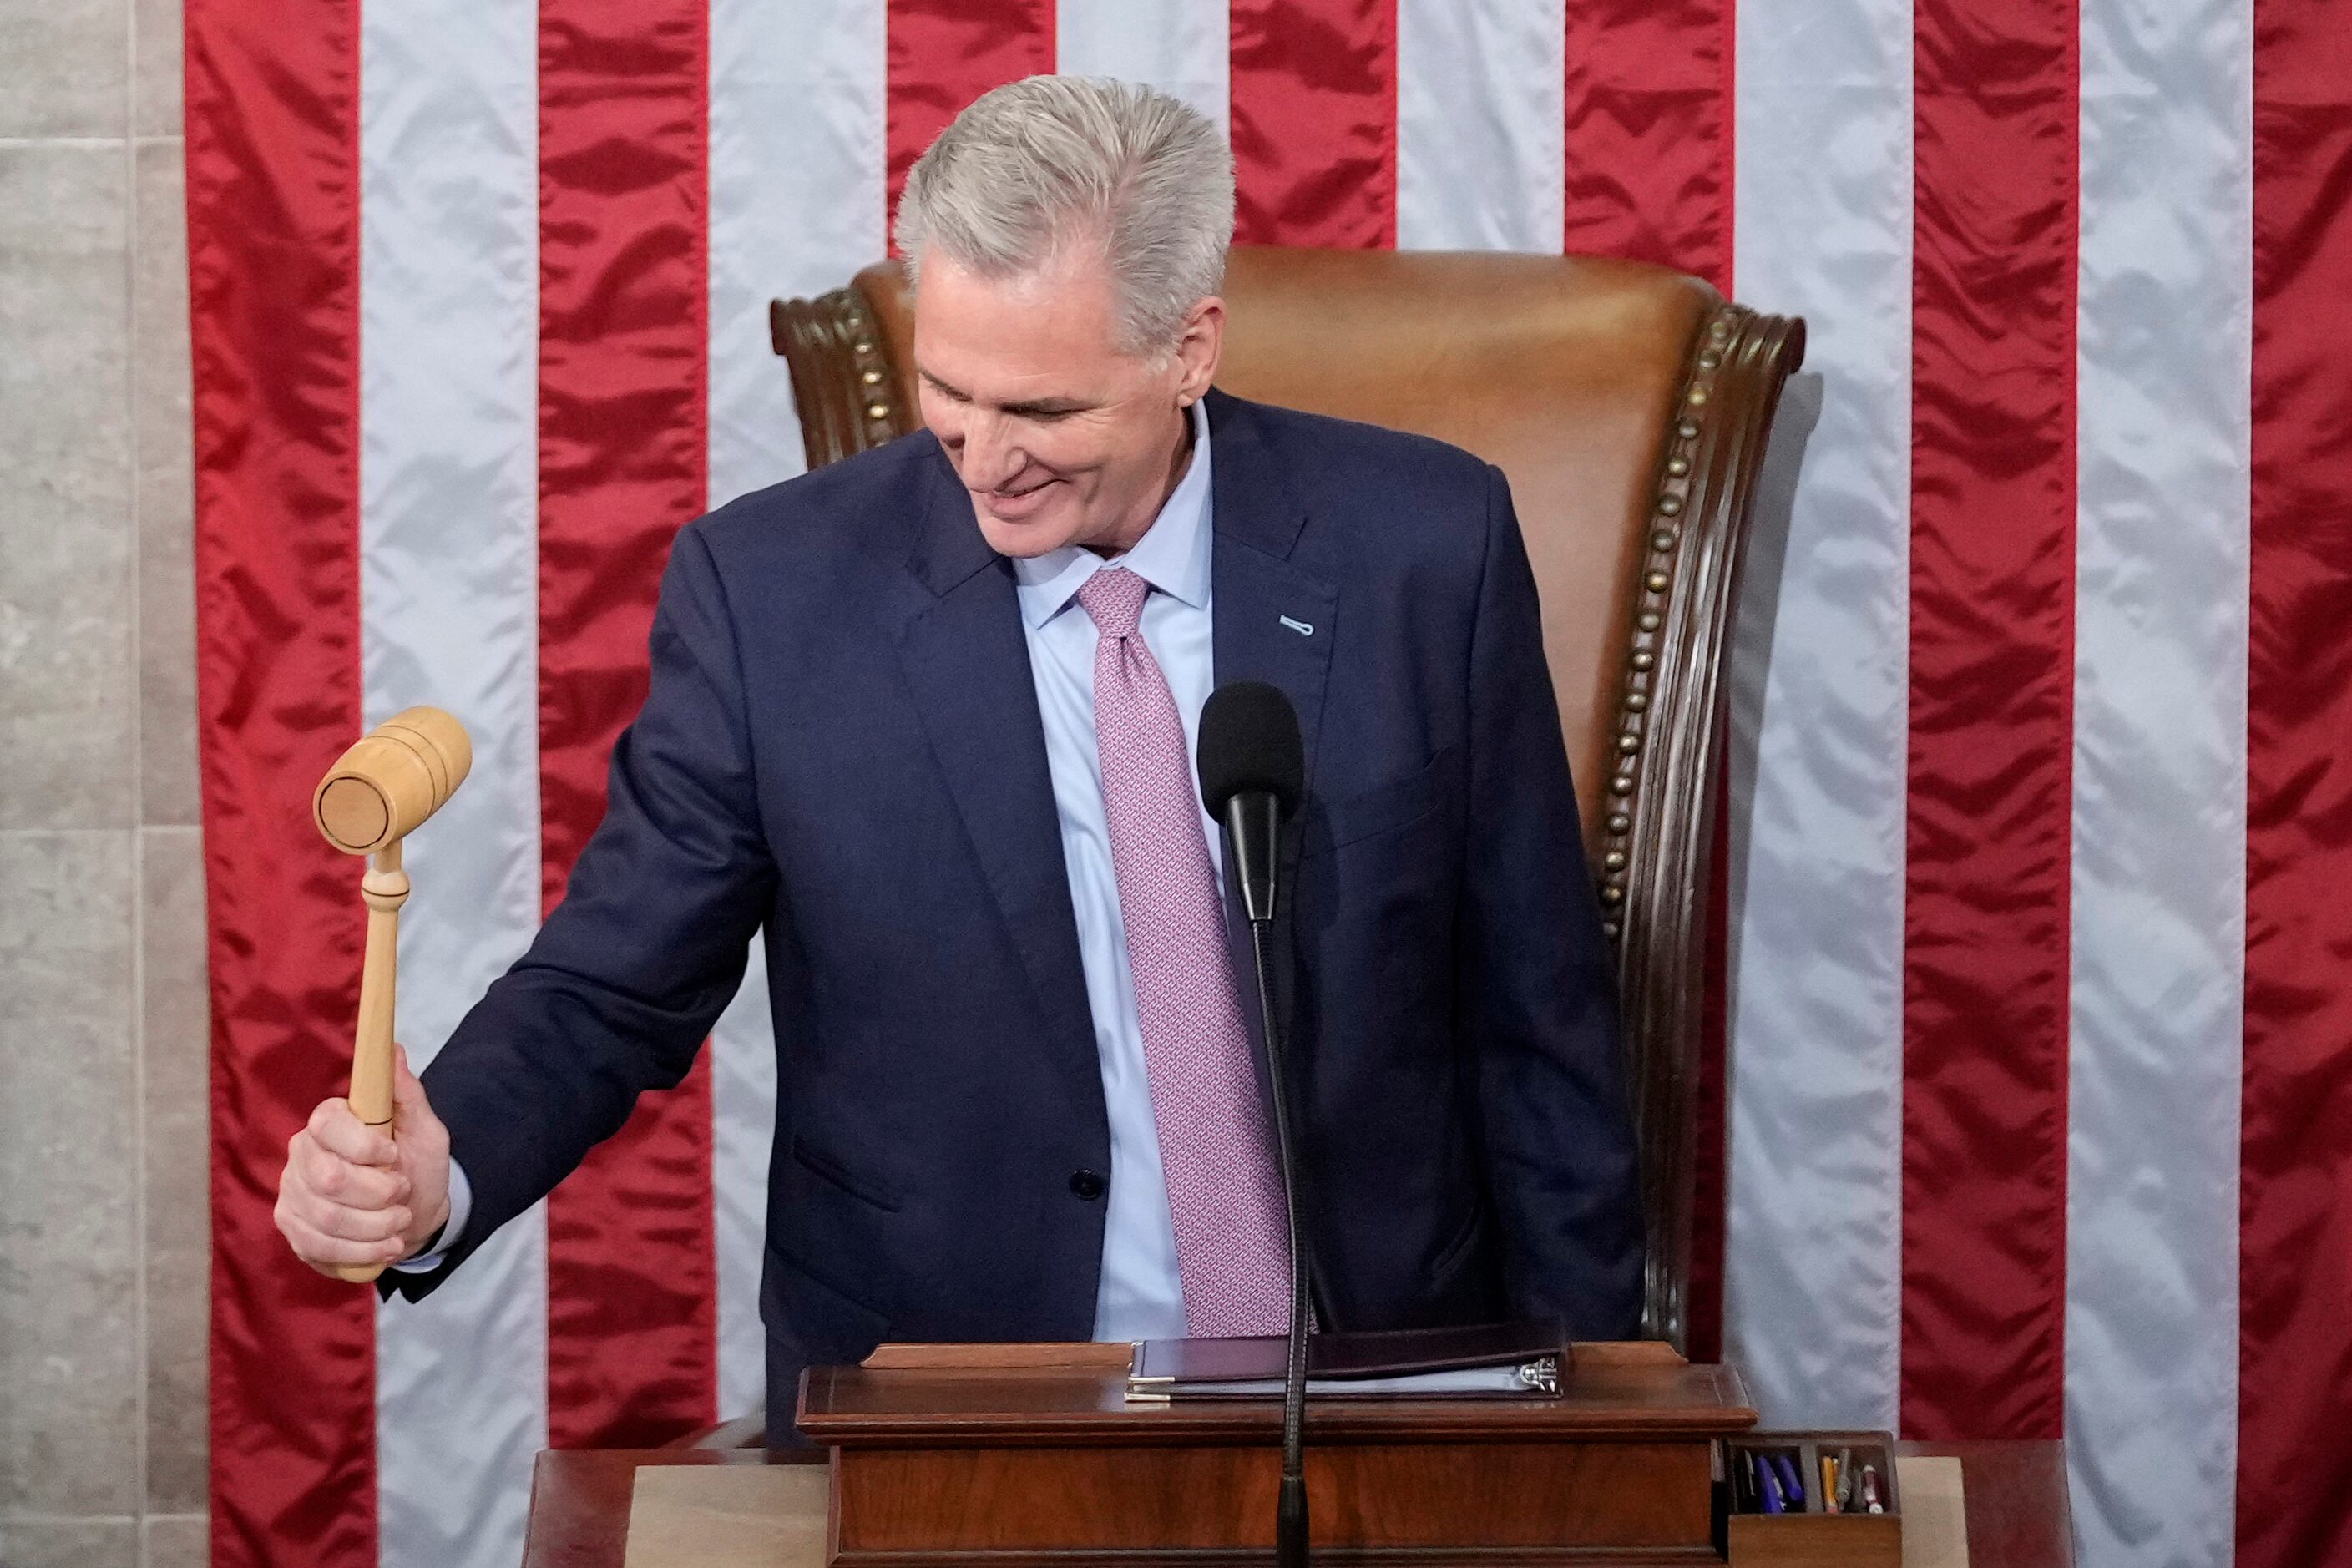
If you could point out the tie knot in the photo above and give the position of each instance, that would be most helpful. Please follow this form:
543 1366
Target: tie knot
1114 596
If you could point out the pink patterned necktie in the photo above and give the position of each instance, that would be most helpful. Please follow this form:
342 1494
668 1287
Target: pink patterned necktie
1233 1251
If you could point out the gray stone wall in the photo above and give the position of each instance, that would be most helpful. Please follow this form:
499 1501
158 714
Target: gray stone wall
102 1032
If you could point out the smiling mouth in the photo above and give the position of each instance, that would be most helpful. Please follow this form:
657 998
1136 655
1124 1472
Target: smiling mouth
1016 495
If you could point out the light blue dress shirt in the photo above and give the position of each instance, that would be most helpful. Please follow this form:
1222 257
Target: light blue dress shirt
1141 1295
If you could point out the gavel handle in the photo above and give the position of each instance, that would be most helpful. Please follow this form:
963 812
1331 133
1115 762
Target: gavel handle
385 889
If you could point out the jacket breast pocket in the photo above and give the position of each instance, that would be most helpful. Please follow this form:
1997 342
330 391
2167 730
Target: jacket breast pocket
1367 812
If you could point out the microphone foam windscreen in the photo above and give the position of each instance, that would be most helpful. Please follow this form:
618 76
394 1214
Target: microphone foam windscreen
1249 741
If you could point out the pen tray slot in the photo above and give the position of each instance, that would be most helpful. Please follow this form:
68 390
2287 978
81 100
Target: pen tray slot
1805 1531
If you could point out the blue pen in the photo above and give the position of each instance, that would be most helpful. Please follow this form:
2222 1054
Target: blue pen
1772 1503
1792 1487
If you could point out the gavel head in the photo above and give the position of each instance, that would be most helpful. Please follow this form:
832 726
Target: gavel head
399 774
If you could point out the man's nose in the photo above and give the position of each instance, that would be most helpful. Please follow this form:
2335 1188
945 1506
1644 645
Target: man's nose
990 455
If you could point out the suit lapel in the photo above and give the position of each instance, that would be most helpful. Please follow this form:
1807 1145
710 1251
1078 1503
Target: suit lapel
1274 621
967 662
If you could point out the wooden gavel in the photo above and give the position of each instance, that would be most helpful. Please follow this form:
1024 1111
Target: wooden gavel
376 794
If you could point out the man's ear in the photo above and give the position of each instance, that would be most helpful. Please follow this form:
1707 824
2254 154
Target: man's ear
1198 348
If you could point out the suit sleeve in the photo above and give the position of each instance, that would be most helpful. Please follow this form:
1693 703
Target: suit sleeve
1556 1122
649 945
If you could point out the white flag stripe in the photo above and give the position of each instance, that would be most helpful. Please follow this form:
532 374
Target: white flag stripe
448 564
743 1116
796 207
796 149
2160 817
1481 124
1812 1275
1181 46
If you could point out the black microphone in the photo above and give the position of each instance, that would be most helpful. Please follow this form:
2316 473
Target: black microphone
1253 772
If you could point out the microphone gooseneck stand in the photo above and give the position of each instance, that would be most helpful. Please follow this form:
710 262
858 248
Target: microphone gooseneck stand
1290 1507
1252 772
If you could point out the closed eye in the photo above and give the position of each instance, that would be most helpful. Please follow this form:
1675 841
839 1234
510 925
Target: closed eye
1045 412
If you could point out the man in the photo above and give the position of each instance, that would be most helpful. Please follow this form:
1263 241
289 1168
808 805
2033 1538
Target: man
923 721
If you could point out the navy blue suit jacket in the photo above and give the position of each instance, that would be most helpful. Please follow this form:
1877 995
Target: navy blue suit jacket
840 749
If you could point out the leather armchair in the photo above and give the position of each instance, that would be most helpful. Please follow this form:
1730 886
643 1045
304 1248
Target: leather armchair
1629 406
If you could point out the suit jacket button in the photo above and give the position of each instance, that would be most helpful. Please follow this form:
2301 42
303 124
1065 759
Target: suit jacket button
1088 1184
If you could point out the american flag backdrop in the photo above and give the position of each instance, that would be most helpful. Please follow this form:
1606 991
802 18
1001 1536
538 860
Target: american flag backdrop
2040 990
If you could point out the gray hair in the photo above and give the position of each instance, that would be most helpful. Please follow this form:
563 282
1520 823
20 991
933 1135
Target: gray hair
1053 161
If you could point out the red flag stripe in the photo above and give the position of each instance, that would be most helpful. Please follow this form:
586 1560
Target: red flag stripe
273 254
1986 926
1648 106
942 54
2294 1466
1314 98
624 94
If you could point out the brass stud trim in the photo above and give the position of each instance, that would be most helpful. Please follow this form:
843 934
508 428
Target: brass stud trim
877 411
1697 393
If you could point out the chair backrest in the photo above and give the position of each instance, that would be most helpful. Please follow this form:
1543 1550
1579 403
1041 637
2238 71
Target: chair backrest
1628 405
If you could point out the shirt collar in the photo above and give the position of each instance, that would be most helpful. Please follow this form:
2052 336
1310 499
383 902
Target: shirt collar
1172 555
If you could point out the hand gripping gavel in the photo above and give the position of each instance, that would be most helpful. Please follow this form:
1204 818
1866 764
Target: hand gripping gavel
376 795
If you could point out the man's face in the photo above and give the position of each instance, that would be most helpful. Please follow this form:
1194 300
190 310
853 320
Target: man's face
1060 435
